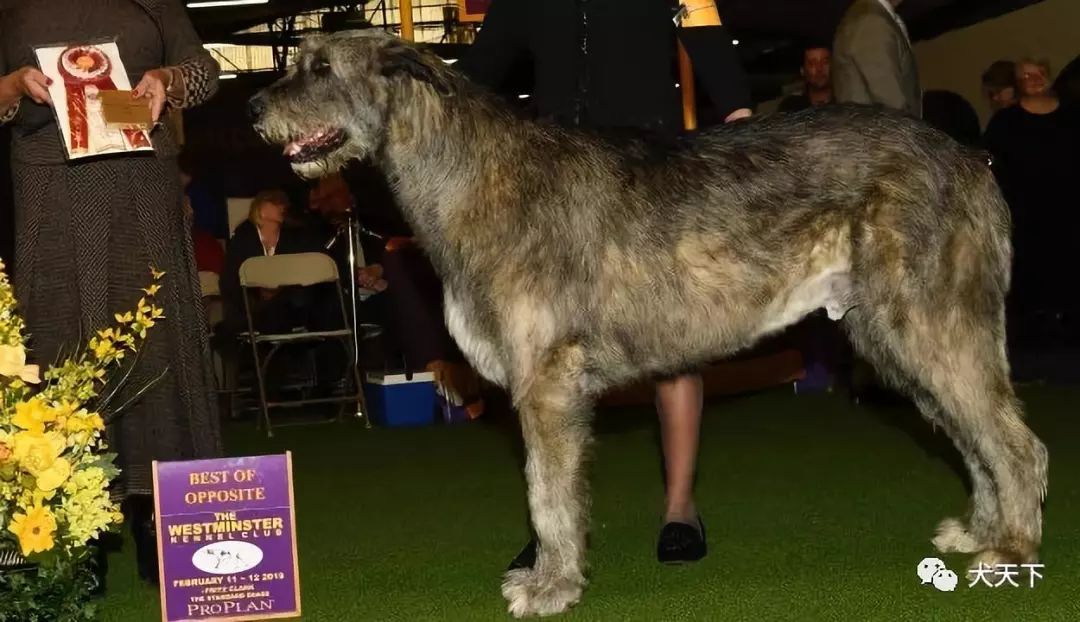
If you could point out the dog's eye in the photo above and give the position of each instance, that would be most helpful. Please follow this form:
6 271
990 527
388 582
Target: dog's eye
320 66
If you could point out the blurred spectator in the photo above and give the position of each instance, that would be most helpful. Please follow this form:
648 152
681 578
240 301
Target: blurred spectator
415 331
999 85
817 81
210 212
264 233
1067 85
873 62
952 114
1036 156
209 252
330 202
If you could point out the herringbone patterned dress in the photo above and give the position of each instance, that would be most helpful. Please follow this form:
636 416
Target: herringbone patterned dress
87 232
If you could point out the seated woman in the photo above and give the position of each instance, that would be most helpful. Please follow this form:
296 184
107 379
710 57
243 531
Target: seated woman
266 233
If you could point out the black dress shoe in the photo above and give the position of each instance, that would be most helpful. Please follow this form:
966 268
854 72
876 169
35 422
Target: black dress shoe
144 530
526 558
680 543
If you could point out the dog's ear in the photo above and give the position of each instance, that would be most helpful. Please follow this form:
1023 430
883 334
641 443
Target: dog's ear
407 60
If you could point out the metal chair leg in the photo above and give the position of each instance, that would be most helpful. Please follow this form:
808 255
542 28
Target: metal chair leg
259 369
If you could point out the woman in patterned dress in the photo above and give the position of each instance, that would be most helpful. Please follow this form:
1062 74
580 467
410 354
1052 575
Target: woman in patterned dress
87 231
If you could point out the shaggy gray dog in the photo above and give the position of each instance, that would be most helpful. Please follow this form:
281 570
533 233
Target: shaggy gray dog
574 263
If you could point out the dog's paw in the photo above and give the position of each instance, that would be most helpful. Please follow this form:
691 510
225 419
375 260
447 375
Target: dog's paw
952 536
530 593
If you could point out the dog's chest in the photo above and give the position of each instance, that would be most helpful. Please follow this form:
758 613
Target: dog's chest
473 342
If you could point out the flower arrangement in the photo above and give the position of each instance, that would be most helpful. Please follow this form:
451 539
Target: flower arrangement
55 471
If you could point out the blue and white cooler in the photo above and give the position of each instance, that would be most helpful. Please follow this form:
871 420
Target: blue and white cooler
394 400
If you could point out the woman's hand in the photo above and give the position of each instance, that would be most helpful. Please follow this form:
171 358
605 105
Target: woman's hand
27 82
152 87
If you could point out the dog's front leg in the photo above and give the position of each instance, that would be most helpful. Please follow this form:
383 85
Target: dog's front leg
555 423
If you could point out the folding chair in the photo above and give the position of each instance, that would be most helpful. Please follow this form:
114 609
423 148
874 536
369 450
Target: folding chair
303 270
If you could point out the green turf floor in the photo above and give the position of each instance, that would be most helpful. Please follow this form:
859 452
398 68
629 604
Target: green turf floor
815 510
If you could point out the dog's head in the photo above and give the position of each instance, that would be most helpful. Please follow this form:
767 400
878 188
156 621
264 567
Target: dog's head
334 103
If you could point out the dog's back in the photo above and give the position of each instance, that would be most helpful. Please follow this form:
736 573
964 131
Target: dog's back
749 224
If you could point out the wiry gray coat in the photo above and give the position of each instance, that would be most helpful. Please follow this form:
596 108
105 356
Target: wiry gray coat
573 263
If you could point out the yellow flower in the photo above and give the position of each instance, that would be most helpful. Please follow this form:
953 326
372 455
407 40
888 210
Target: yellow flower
39 455
13 364
156 273
34 529
128 341
55 476
102 348
63 411
33 415
107 334
153 289
83 421
125 318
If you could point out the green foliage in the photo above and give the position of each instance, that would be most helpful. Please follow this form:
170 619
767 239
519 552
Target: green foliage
57 589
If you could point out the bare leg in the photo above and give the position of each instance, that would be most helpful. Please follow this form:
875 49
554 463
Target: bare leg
679 403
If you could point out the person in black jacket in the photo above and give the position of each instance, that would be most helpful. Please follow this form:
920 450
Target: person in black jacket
608 65
265 232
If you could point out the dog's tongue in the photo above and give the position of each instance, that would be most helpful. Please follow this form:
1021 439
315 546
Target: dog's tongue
296 147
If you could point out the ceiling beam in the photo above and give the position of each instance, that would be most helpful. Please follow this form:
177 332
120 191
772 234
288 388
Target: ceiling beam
214 23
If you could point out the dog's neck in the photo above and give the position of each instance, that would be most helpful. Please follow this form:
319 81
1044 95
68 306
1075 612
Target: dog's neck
439 153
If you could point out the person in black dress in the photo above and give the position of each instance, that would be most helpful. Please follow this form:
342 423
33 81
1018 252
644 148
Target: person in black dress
1036 156
87 231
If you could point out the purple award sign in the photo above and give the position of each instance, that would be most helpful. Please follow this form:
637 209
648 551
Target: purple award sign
226 533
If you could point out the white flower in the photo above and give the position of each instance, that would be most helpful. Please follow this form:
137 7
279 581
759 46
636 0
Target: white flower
13 364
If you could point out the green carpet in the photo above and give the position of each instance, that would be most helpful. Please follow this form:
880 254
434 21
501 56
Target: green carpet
815 510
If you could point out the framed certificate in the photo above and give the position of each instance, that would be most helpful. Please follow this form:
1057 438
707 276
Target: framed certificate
91 100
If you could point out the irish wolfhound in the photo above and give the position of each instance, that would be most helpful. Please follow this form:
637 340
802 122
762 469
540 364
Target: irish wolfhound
573 263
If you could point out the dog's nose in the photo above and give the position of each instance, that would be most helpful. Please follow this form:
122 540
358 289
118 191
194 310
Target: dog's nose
256 106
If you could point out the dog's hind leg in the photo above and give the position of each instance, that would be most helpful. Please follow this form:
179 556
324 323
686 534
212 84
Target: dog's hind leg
555 423
973 534
953 534
952 361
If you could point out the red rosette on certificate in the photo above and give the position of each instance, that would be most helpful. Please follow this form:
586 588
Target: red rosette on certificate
83 66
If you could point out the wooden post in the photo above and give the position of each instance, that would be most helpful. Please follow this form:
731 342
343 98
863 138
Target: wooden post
686 84
405 8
